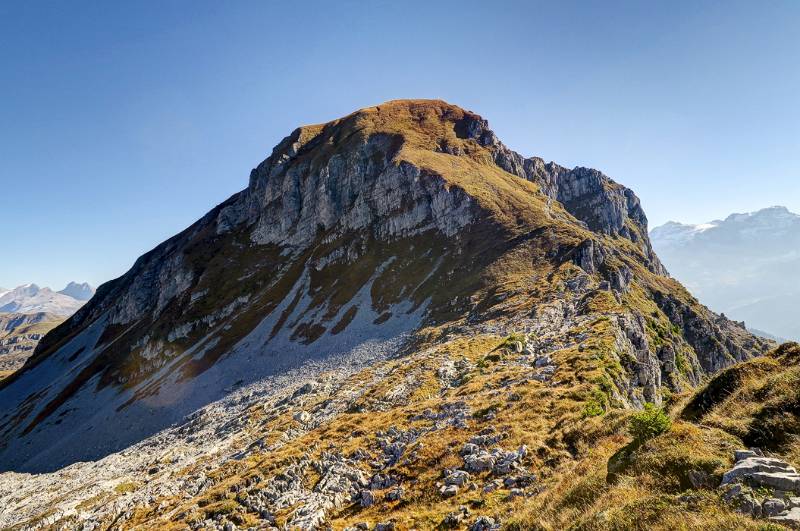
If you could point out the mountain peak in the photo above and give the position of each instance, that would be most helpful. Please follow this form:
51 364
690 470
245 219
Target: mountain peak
421 124
409 125
449 143
27 288
773 212
767 222
355 241
81 292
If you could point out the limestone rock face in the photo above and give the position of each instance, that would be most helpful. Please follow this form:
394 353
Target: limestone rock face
351 191
717 340
764 471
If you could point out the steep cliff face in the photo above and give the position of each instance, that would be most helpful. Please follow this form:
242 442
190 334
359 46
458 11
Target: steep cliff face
394 227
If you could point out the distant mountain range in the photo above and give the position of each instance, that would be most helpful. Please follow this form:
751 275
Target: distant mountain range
19 335
28 312
30 298
747 266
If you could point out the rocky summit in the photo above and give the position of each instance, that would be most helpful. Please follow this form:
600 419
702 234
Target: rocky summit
400 323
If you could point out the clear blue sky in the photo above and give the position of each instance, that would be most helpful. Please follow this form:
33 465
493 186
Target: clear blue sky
122 123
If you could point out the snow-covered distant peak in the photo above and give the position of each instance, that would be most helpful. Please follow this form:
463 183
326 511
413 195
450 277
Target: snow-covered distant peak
772 222
26 290
30 298
746 265
672 232
773 212
704 227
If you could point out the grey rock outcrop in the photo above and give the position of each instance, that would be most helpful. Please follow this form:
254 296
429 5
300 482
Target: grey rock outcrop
763 471
754 473
790 518
484 523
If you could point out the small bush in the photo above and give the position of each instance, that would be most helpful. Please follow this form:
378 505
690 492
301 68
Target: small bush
596 404
486 412
648 423
125 487
512 338
593 409
509 342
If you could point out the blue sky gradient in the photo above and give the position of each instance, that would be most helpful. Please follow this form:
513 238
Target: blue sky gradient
122 124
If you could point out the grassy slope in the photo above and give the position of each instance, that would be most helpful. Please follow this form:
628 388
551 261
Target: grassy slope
42 327
754 403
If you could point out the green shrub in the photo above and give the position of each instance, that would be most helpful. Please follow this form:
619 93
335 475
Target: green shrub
513 338
595 404
593 409
648 423
681 363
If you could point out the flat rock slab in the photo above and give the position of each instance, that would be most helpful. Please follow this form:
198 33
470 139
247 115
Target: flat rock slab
765 471
777 480
789 519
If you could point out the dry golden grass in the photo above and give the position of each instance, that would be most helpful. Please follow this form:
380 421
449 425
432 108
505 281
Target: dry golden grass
650 487
647 494
548 420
